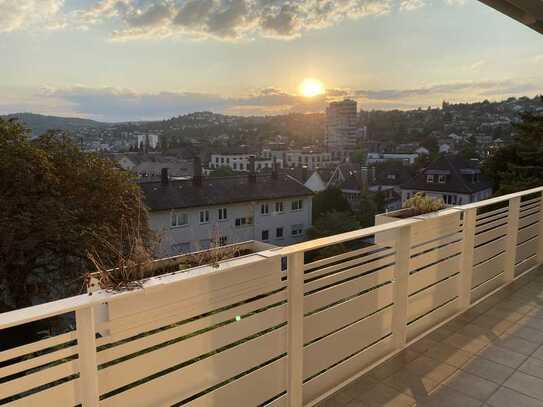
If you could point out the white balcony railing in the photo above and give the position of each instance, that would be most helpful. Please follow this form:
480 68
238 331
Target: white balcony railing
250 333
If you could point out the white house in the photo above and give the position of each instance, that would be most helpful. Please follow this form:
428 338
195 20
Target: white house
455 180
190 215
240 162
406 158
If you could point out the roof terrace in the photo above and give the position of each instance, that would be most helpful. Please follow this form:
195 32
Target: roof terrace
442 309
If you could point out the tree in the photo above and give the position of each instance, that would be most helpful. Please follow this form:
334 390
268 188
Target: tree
331 223
222 172
368 210
331 199
520 165
58 205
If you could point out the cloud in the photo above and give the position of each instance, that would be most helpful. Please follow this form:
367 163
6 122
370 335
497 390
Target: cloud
115 104
410 5
480 88
476 65
19 14
219 19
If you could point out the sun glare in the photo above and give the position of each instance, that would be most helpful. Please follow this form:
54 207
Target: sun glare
311 87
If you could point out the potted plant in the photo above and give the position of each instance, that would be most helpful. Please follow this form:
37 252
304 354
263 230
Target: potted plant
434 219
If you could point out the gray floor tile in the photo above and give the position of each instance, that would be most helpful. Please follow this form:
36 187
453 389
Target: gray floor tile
529 385
503 356
472 386
533 367
489 370
505 397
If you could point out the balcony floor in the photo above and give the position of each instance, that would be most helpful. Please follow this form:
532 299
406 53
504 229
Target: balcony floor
491 356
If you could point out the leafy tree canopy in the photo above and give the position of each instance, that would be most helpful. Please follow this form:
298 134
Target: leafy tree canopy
58 205
520 165
331 199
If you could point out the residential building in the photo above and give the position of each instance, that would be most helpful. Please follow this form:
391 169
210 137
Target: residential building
190 215
239 162
406 158
342 130
149 166
455 180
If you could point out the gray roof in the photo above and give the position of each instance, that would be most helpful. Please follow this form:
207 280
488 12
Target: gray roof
455 181
220 191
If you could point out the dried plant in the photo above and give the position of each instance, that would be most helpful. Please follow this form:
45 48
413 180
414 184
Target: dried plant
424 204
121 265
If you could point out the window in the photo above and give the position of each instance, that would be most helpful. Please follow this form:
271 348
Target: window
240 222
217 160
441 179
265 235
241 166
222 160
265 209
235 166
204 216
296 205
223 214
430 179
279 233
179 219
223 240
181 247
297 230
279 206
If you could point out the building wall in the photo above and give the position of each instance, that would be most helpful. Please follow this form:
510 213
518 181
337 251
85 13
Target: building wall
240 162
374 158
450 198
193 237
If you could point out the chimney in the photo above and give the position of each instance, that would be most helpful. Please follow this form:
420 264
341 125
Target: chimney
196 171
275 169
304 173
164 176
373 174
252 171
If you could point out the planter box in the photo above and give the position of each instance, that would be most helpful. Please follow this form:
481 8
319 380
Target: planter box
430 226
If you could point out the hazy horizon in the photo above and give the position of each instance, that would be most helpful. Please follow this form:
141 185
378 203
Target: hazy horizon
138 60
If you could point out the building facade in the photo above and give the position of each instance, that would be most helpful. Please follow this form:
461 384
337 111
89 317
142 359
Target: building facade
195 214
456 181
240 162
342 130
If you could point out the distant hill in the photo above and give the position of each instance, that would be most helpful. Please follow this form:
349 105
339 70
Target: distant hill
39 124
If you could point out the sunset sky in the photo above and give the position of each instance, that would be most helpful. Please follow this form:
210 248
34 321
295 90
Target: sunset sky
150 59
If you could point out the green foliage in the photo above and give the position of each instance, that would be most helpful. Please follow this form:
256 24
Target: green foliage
424 204
519 166
58 205
329 200
331 223
368 210
222 172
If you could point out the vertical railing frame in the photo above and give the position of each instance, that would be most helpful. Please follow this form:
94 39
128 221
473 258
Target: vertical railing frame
402 259
540 232
88 367
295 281
511 239
466 259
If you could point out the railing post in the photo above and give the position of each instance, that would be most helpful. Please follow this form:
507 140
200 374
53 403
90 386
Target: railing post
466 257
295 279
401 280
88 368
540 238
511 239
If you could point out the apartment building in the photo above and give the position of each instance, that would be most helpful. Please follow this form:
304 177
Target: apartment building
342 130
239 162
190 215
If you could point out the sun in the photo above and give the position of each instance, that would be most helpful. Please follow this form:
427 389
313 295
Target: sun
311 87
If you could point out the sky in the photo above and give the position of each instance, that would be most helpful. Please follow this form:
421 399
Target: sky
118 60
